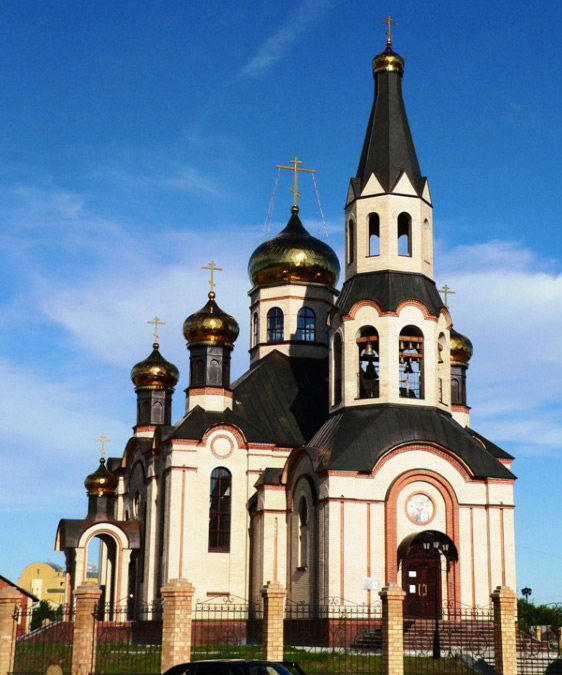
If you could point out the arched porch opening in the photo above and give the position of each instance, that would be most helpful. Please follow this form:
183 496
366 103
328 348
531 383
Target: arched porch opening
426 559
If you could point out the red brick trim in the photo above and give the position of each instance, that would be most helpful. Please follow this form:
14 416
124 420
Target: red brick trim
358 305
210 391
424 447
235 431
460 408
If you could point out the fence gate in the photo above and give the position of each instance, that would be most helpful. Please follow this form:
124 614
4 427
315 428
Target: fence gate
128 642
227 627
47 645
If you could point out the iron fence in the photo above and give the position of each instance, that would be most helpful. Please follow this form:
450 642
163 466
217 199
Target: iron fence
128 639
227 627
539 656
50 644
334 636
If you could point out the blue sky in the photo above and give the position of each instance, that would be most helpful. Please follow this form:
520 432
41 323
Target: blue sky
138 141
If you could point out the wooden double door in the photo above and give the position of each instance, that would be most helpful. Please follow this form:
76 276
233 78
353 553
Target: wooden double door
421 581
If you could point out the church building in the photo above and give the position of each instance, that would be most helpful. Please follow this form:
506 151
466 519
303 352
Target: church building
343 459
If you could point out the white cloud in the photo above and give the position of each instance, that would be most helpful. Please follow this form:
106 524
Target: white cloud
508 304
280 43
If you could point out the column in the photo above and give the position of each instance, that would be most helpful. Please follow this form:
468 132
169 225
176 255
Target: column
274 611
392 597
86 598
177 596
9 602
504 601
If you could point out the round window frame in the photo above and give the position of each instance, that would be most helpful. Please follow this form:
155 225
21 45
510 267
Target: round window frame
431 501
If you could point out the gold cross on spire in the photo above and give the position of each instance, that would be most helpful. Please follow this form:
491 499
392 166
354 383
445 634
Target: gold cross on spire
103 439
446 292
156 322
212 267
295 168
389 22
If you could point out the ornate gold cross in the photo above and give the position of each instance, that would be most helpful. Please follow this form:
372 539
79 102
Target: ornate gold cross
103 439
389 22
212 267
156 322
295 168
446 292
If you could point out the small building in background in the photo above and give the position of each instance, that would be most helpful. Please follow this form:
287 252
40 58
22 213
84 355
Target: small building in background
45 581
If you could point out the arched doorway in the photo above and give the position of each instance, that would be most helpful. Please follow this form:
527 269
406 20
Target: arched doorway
425 558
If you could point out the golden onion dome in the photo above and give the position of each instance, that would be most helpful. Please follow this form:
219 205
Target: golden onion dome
211 326
155 372
294 255
461 348
102 482
388 60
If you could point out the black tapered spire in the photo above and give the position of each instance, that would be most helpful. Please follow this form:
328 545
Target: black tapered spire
388 149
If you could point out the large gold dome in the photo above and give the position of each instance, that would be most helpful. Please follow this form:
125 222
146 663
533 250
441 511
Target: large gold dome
102 482
155 372
211 325
294 255
461 348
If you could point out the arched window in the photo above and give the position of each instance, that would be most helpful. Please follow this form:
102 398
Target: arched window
219 510
303 533
337 369
367 340
274 325
441 368
374 234
255 330
350 242
214 372
405 234
197 372
410 357
306 325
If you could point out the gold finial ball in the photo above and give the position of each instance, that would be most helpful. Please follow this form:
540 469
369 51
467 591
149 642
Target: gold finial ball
211 326
461 348
102 482
294 255
388 60
155 372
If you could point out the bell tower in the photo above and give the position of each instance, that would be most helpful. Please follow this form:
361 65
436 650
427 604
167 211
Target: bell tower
390 338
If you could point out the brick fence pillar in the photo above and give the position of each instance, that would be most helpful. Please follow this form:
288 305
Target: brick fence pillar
505 646
177 597
86 597
9 602
274 612
392 597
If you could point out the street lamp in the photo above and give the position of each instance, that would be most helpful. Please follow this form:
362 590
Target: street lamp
526 592
437 547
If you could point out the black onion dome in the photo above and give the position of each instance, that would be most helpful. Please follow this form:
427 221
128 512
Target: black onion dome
461 348
102 482
294 255
155 372
211 325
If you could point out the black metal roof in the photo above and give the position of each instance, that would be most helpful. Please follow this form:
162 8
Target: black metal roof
388 148
389 289
281 400
356 438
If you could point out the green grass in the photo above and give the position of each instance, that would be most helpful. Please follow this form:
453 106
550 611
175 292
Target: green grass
31 659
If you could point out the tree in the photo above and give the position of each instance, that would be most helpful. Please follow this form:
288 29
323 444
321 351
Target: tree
40 613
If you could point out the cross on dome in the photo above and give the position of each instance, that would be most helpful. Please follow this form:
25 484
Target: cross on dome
389 21
103 439
156 322
295 168
212 267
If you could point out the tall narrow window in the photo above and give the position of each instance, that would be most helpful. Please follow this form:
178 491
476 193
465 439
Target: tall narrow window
405 234
374 234
274 325
350 242
368 375
337 369
306 325
255 330
219 510
303 534
411 362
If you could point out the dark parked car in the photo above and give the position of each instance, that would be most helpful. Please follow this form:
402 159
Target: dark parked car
235 667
